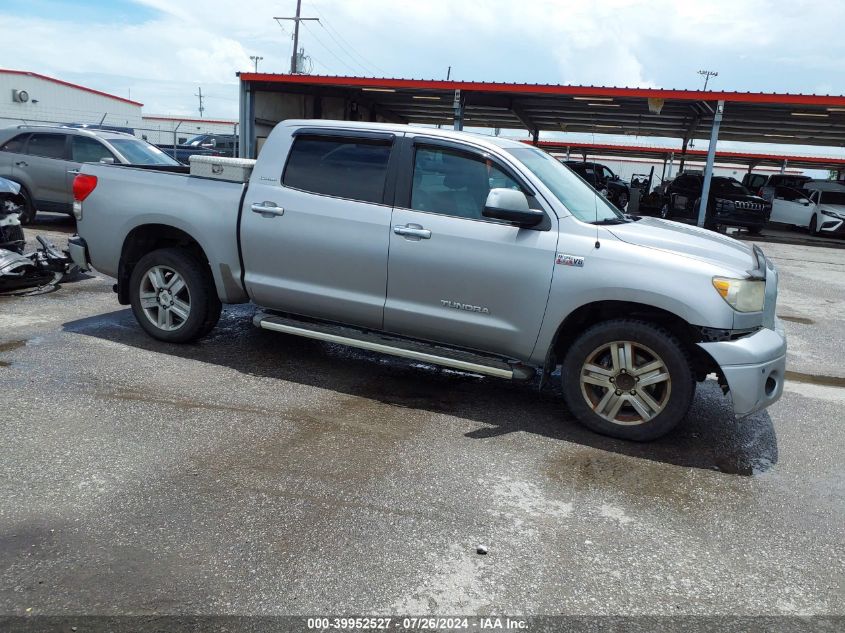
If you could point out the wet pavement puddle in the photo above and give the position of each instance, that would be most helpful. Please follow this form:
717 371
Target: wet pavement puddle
796 319
815 379
9 346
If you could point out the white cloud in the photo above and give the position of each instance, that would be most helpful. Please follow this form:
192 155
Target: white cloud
794 46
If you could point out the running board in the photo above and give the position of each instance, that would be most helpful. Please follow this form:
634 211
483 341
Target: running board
396 346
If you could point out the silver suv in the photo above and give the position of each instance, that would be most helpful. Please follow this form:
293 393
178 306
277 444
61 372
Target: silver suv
44 160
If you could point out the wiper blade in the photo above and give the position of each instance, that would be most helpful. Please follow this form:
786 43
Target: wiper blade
606 221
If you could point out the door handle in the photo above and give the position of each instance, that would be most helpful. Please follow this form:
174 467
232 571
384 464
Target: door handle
412 230
73 171
21 163
267 209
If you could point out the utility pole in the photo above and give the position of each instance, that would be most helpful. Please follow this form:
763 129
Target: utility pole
255 59
199 94
294 67
707 74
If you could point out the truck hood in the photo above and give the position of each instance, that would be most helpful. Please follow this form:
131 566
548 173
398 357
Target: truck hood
687 241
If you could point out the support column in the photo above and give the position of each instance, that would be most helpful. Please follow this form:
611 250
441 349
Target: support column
535 137
663 173
783 165
246 121
683 155
459 111
671 163
567 152
711 158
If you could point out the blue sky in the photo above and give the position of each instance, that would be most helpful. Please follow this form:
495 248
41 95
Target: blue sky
160 51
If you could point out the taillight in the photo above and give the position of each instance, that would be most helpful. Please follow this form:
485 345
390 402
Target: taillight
83 185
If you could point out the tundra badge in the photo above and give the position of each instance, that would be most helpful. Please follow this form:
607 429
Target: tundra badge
463 306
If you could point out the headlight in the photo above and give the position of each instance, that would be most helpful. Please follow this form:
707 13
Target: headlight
743 295
832 214
725 206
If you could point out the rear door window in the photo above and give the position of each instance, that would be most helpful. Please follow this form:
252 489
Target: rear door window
350 168
88 150
15 144
47 145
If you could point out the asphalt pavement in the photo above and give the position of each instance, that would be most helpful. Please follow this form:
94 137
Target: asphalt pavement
257 473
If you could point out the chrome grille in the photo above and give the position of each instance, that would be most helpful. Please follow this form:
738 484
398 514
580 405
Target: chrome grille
744 205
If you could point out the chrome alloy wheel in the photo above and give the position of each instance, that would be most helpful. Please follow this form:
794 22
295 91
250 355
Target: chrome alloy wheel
165 298
625 382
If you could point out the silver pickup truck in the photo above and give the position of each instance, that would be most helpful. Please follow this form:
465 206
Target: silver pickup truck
471 252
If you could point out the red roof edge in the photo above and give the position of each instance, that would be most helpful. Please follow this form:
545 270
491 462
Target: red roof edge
549 89
188 120
562 145
27 73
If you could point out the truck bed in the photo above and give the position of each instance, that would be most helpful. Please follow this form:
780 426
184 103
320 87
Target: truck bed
127 198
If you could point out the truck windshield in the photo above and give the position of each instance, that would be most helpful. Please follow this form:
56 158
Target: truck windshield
584 202
141 153
729 185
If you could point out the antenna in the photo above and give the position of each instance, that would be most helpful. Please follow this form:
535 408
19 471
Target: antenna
255 59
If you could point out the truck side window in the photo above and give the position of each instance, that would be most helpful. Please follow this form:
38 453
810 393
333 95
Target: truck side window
341 167
454 183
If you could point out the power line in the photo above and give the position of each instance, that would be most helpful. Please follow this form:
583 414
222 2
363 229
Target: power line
365 62
296 20
327 49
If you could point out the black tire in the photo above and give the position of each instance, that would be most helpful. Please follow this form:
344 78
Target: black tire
14 238
675 396
28 210
754 230
204 305
814 225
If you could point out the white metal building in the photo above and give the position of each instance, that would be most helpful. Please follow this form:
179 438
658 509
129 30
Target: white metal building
27 97
159 129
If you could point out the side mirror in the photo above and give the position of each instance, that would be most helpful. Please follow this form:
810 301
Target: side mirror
512 206
107 160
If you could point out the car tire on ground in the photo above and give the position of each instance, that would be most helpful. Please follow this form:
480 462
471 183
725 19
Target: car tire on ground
28 210
814 225
173 296
642 394
754 230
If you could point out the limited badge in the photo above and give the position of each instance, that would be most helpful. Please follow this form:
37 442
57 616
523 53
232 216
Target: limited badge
569 260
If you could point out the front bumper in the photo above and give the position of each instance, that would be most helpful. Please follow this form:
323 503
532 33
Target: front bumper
829 225
753 366
78 250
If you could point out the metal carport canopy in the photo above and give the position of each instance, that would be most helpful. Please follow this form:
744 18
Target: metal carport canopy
756 117
754 159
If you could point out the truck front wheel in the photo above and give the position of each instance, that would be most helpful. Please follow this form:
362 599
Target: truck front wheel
628 379
173 296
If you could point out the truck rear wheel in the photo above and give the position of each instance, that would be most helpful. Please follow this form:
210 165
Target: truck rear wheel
173 296
628 379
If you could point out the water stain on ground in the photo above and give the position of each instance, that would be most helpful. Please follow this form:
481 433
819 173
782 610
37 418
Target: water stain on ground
797 319
9 346
815 379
